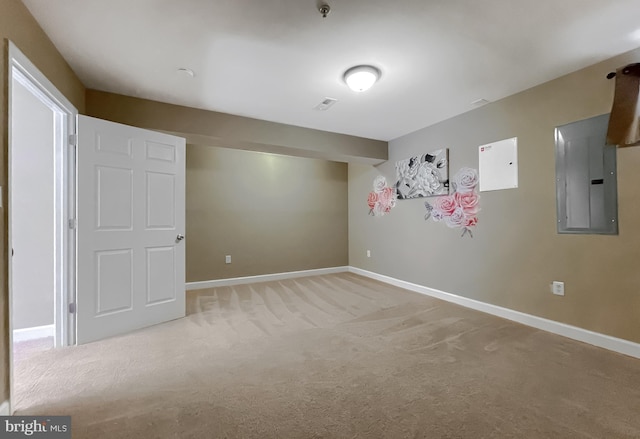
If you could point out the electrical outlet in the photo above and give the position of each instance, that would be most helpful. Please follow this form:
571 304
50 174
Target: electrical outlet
368 253
557 288
227 259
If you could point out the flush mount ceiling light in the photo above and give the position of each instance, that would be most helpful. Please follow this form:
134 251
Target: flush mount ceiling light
361 78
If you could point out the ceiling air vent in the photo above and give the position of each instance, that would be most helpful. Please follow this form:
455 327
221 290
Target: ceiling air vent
325 104
479 102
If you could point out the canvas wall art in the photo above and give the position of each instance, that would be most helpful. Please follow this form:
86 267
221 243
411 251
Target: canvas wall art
425 175
460 209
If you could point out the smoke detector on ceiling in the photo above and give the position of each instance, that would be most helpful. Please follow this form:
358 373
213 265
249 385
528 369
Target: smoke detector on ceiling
186 72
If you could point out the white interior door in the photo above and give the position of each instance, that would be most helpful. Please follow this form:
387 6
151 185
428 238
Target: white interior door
130 252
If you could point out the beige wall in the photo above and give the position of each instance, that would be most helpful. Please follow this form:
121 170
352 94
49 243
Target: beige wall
271 213
515 253
267 218
210 128
17 25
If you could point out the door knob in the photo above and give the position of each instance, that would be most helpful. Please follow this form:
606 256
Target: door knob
179 238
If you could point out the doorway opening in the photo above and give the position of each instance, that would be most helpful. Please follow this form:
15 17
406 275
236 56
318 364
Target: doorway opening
41 199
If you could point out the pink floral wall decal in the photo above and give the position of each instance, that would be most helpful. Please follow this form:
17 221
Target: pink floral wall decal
382 199
460 208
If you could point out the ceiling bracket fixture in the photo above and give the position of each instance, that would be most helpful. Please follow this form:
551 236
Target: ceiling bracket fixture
324 10
361 78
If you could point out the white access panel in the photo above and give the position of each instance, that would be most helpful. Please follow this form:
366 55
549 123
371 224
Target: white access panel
130 252
498 165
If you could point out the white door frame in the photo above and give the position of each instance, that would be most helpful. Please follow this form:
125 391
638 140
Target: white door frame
25 72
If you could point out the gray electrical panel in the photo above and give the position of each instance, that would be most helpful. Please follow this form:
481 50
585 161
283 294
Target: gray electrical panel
586 180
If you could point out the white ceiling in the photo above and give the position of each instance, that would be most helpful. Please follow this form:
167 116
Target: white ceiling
277 59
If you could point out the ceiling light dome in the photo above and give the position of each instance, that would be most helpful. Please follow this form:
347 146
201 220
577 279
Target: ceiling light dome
361 78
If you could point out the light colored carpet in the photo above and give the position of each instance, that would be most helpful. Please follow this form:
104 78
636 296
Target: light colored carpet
23 350
337 356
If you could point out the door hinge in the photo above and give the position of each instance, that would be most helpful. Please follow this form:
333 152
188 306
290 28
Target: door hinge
72 308
73 140
73 224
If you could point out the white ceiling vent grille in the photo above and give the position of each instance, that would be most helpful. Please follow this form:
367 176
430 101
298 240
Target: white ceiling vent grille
479 102
325 104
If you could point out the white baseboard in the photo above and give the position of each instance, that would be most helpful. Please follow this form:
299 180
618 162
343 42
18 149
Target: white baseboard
262 278
594 338
33 333
5 409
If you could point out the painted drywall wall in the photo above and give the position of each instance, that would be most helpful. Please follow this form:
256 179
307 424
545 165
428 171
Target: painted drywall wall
32 213
17 25
515 253
210 128
271 213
